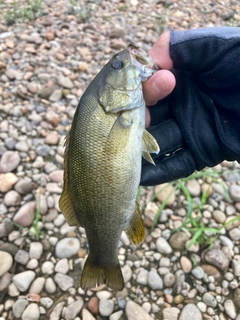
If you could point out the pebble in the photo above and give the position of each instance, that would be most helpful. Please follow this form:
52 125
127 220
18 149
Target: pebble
65 82
163 246
63 281
93 305
230 309
234 191
219 216
236 265
26 214
163 191
46 302
217 258
178 240
22 257
37 285
116 315
169 280
209 299
23 280
47 267
73 309
18 307
50 286
7 181
234 234
190 311
136 312
193 187
198 272
31 312
106 307
142 277
67 247
35 250
127 273
155 282
9 161
171 313
12 198
186 264
24 186
6 262
86 315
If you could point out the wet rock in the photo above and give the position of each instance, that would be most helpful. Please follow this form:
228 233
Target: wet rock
26 214
7 180
9 161
6 262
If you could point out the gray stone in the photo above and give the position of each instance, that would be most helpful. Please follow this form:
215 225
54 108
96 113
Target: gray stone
24 186
234 191
63 281
209 299
9 161
136 312
114 316
155 281
236 265
193 187
235 234
73 309
46 302
163 246
67 247
37 285
106 307
6 262
169 280
12 198
50 286
219 216
217 258
56 313
31 312
26 214
23 280
22 146
65 82
178 240
171 313
35 250
18 307
62 266
142 277
190 311
22 257
47 267
127 273
226 242
230 309
198 272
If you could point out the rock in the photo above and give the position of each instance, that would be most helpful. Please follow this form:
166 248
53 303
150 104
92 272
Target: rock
155 281
46 302
211 271
52 138
209 299
23 280
31 312
62 266
217 258
63 281
26 214
35 250
24 186
169 280
236 265
5 281
219 216
230 309
127 273
7 180
11 73
163 191
9 161
193 187
171 313
136 312
46 92
86 315
12 198
56 176
56 313
67 247
22 146
186 264
190 311
65 82
117 33
37 285
56 95
106 307
53 118
93 305
234 234
50 286
236 297
5 228
73 309
47 267
234 191
163 246
18 307
178 240
142 277
6 262
116 315
198 272
22 257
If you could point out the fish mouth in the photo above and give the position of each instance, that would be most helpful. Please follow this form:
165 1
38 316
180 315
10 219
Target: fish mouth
141 60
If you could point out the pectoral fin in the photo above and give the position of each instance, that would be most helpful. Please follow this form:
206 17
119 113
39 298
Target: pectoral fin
135 230
149 145
65 203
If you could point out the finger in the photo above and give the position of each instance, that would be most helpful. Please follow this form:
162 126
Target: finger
160 51
158 86
176 166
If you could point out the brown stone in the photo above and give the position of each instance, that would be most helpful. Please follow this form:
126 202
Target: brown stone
93 305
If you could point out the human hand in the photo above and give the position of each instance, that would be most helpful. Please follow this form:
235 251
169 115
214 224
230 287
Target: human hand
197 124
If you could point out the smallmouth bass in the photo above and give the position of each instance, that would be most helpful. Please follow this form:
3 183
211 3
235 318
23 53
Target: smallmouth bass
102 163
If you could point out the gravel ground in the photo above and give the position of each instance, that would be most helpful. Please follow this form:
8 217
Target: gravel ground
45 65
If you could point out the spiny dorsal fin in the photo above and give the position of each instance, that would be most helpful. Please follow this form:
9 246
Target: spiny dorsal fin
135 230
65 203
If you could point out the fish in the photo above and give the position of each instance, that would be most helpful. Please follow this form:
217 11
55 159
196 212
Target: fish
102 164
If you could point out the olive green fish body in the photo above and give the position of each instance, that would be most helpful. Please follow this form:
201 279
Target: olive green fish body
102 167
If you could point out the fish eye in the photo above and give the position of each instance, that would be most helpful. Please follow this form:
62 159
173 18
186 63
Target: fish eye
117 64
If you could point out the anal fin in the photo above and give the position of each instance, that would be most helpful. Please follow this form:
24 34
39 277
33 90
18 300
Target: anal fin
149 145
135 230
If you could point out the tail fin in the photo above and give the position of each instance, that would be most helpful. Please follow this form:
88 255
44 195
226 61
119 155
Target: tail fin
93 276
